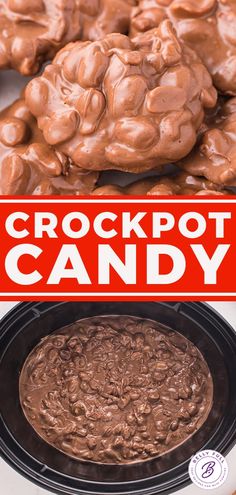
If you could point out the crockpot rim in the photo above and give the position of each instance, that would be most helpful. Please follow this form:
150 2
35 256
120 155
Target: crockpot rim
183 479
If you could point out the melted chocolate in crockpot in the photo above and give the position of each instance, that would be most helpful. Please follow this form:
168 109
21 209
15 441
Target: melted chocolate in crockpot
115 389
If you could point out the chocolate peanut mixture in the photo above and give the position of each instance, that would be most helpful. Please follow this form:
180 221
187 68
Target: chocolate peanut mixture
115 389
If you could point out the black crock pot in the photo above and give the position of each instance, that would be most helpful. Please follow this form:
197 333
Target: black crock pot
24 326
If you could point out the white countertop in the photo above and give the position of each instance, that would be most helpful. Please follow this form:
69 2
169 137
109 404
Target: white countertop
11 483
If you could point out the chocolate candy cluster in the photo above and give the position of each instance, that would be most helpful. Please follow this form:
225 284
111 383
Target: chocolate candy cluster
214 156
29 165
126 104
32 31
207 26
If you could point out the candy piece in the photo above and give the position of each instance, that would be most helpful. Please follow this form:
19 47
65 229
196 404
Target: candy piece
115 389
207 26
32 31
29 165
122 104
214 156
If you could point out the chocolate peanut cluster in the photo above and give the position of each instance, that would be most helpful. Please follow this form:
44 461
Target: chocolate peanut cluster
214 157
115 389
122 104
28 165
32 31
207 26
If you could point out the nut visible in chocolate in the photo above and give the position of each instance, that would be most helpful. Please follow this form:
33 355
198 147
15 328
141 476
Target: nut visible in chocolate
122 104
180 183
32 31
207 26
29 165
214 156
115 389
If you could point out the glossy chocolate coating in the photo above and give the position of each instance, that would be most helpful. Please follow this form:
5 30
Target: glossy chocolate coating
32 31
214 156
207 26
122 104
180 183
115 389
28 165
102 17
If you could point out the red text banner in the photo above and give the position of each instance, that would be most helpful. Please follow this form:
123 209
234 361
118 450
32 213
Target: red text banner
118 248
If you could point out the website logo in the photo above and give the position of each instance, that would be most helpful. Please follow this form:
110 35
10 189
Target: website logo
208 469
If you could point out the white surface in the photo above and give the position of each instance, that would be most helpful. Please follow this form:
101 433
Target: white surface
14 484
